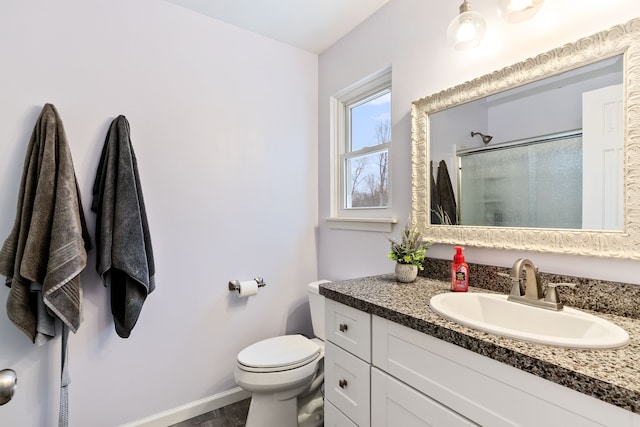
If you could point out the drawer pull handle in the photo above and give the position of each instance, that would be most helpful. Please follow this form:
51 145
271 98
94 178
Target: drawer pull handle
342 383
343 327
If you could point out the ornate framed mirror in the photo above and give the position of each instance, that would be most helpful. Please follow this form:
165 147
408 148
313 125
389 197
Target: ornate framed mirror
619 44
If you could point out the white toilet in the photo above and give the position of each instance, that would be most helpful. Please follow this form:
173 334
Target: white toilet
282 371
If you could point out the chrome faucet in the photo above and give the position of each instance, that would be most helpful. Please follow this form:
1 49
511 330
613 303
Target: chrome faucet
534 290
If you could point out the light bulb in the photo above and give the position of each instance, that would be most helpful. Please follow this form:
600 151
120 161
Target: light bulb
467 29
518 5
514 11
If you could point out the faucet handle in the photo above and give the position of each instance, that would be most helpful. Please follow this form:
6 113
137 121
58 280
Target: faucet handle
552 291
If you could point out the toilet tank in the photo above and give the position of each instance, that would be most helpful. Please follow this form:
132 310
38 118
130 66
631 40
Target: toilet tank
316 305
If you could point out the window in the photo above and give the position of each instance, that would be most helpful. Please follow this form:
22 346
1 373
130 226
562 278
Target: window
362 135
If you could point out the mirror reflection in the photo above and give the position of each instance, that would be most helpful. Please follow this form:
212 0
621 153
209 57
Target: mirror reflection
599 233
548 154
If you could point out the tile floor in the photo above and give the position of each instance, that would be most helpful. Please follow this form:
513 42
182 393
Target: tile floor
234 415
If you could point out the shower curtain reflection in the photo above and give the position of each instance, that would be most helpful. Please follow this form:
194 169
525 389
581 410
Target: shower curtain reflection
532 184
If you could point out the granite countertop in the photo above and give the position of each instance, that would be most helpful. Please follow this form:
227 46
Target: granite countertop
611 375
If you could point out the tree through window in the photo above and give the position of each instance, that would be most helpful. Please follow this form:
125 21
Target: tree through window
366 155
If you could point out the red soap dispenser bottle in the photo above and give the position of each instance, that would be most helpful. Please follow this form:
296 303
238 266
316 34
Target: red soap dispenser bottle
459 272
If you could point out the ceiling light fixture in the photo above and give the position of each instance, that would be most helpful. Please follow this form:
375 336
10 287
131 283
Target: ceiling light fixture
467 29
514 11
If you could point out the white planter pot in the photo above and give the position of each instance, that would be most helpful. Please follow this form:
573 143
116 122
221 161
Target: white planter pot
406 273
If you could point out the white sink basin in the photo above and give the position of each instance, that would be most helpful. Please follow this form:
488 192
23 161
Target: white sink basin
493 313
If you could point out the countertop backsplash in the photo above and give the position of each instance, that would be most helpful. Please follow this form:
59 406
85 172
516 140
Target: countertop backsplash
622 299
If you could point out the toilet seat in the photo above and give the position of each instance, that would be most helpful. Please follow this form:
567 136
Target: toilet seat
279 354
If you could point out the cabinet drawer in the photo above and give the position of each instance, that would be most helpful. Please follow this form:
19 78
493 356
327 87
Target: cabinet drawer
334 418
393 403
348 328
346 383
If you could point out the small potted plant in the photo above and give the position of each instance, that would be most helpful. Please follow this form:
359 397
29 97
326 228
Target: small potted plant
409 254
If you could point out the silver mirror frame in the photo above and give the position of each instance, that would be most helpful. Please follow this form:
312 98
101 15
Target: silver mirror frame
622 39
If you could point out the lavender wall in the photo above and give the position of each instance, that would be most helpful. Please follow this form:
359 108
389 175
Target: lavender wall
224 124
411 36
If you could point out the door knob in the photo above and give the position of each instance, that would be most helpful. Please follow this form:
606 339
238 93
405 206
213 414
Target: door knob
8 385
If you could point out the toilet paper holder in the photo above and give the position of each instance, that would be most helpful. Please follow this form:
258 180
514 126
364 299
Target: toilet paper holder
234 285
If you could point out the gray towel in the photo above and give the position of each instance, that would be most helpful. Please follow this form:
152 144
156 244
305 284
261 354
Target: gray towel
43 256
445 193
435 200
125 256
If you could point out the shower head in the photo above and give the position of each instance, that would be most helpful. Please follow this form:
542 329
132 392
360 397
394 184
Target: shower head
485 138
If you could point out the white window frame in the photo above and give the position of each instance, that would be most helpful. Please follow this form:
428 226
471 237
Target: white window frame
365 218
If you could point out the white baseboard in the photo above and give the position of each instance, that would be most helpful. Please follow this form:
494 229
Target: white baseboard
193 409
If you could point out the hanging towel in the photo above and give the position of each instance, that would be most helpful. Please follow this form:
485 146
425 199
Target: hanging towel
43 256
435 200
46 250
124 253
445 193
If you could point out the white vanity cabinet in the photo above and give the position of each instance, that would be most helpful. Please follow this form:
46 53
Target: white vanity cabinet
334 418
393 403
471 388
382 374
347 378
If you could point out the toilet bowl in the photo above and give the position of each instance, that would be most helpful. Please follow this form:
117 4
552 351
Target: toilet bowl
284 372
